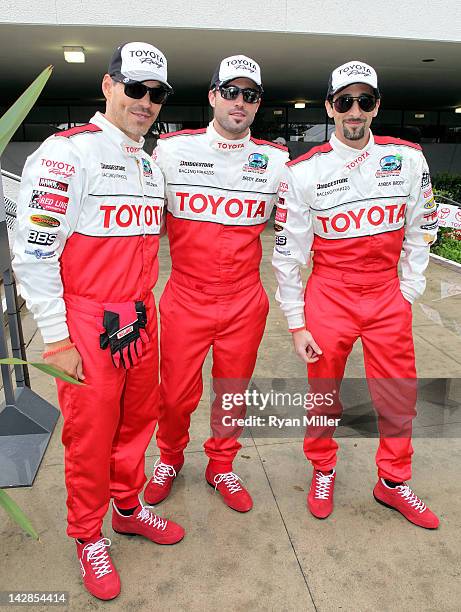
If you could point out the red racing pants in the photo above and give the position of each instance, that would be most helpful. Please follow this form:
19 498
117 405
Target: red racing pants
340 308
193 318
108 423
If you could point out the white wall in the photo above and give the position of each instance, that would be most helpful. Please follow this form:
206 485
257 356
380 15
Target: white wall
417 19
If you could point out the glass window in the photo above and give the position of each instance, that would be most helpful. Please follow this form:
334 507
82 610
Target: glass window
270 123
421 126
79 115
450 126
388 123
48 114
307 124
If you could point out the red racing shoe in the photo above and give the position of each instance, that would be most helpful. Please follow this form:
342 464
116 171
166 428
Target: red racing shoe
320 498
159 486
403 499
232 491
145 523
100 577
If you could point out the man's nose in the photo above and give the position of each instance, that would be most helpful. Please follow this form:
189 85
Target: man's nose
355 108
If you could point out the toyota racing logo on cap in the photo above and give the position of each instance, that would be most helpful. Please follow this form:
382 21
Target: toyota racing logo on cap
148 56
138 61
237 67
242 63
352 72
355 68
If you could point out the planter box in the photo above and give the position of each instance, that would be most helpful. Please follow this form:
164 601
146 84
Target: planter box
447 263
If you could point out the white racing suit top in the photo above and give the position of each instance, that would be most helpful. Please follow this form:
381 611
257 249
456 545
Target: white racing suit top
356 210
89 215
220 195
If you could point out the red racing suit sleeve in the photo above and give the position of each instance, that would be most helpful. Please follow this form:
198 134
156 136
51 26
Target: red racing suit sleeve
293 240
49 202
421 224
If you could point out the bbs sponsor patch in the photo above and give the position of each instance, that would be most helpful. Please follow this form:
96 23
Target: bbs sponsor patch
280 240
43 238
52 202
44 221
425 180
281 215
53 184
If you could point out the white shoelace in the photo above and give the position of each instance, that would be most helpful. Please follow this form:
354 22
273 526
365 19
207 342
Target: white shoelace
231 481
96 554
322 485
145 516
162 471
411 498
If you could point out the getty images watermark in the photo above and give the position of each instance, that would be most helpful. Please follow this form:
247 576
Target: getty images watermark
353 407
257 400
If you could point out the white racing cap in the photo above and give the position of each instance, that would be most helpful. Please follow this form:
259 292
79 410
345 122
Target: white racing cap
236 67
137 62
350 73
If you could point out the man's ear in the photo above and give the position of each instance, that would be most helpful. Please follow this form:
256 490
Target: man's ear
212 98
329 109
106 86
375 111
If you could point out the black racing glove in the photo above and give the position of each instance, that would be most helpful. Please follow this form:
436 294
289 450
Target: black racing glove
125 332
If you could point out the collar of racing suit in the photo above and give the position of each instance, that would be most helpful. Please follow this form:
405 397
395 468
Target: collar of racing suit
346 152
129 146
223 144
353 158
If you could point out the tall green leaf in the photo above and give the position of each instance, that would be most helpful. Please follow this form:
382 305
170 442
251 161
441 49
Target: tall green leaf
15 115
17 514
9 123
44 367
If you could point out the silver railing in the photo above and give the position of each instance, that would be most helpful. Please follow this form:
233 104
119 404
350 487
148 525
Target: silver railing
11 183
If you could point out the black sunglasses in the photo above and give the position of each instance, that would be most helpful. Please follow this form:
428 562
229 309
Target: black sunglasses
232 92
158 95
366 102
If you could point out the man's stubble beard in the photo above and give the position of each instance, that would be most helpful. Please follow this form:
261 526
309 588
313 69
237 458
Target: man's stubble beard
233 128
131 125
356 134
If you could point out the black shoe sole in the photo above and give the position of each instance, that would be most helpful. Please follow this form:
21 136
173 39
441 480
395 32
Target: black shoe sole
124 533
392 508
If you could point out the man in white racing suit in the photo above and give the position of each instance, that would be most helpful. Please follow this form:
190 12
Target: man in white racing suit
89 216
221 188
356 202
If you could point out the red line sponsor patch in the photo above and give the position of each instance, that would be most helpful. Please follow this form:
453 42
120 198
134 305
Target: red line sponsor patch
53 202
281 215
